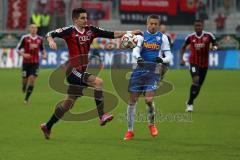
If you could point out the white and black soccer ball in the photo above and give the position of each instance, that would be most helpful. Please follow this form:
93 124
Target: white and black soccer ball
129 40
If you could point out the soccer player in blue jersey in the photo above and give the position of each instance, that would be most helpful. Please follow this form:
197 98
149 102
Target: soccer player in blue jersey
146 75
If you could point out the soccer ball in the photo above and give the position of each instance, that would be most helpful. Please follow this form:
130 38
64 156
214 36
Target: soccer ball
129 40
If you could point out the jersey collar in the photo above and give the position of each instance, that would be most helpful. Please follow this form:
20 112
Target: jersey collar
79 30
151 33
200 35
33 37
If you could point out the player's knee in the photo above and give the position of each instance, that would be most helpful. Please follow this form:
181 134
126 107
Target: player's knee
98 83
195 80
149 101
68 103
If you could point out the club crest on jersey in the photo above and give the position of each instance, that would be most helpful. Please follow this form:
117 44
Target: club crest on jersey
158 38
89 33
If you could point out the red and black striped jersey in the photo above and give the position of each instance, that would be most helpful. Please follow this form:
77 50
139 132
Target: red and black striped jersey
199 47
31 45
79 43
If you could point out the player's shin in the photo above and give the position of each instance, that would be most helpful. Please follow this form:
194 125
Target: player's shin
151 113
98 95
194 91
28 92
131 109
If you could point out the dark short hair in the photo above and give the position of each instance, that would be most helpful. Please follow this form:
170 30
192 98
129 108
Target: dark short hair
77 11
198 21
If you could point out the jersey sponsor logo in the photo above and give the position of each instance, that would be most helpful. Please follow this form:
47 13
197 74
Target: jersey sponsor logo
151 45
83 39
33 45
198 46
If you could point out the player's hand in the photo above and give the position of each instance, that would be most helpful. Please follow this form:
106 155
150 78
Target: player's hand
182 62
52 44
140 61
159 60
137 32
214 48
26 56
44 56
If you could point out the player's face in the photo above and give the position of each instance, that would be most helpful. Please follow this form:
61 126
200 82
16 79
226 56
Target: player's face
33 29
152 25
81 21
198 27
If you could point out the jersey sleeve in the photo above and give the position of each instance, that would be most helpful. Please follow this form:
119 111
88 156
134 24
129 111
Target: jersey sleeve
165 48
136 51
60 32
212 39
99 32
187 40
165 44
20 44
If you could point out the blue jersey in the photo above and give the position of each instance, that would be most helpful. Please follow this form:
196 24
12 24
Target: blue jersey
147 76
151 46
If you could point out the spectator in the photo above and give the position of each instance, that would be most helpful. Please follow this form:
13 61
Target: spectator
202 10
220 22
238 28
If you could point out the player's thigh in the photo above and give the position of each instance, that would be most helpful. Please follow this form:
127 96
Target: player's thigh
25 71
202 75
93 81
134 97
76 84
149 95
33 70
195 71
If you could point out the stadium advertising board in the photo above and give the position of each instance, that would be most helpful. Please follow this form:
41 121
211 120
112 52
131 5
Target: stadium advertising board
229 59
170 11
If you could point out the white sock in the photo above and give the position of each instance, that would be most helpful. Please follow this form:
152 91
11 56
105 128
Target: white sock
130 116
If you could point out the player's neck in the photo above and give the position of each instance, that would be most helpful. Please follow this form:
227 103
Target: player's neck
199 33
33 35
80 29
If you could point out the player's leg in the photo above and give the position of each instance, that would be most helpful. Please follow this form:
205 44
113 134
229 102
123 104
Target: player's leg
60 109
32 76
30 85
195 87
24 84
131 109
24 78
97 83
149 95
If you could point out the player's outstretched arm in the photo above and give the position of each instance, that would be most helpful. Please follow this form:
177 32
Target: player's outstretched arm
119 34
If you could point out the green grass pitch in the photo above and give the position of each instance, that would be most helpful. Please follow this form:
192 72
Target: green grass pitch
213 132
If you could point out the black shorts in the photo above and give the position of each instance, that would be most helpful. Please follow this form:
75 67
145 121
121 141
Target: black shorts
77 81
30 69
195 70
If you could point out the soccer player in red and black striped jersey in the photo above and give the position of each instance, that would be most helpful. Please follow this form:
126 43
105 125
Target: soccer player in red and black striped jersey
78 37
29 47
199 43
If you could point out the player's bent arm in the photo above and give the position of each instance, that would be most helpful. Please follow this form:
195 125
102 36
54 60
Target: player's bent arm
52 44
165 48
136 51
168 57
